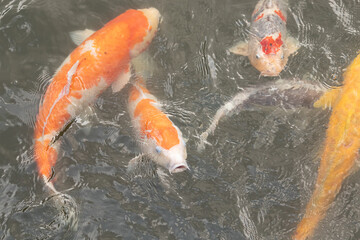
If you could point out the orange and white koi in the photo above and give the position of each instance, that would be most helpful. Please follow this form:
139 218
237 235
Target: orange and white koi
269 45
159 138
341 148
102 59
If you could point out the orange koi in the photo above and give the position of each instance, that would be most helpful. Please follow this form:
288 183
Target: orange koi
341 149
159 138
101 60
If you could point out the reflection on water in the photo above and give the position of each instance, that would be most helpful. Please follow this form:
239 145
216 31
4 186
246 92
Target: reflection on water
251 182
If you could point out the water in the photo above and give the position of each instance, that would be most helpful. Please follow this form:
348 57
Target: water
252 182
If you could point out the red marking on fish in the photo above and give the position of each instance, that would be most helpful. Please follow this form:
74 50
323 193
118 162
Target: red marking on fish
279 13
269 45
259 17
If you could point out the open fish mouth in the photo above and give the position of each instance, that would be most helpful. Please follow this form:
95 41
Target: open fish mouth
270 74
179 168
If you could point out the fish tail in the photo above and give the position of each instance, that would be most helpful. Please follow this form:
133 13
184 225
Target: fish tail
271 3
226 109
308 224
144 65
283 1
268 3
319 203
65 204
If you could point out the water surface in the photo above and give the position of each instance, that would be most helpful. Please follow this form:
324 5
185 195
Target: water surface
252 182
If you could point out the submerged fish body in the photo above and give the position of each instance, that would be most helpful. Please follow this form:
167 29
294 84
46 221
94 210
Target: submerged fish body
159 138
101 60
341 148
269 45
283 92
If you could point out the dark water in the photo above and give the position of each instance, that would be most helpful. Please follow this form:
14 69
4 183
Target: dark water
252 182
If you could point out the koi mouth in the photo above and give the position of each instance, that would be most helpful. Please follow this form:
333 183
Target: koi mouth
270 73
179 168
272 69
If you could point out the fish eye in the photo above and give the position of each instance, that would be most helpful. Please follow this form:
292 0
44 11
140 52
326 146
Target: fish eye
257 56
158 149
282 56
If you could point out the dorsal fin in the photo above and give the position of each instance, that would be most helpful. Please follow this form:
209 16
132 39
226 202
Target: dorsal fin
61 132
80 35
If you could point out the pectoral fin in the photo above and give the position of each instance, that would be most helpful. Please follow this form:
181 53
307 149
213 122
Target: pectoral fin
292 45
122 80
144 65
241 48
328 99
80 35
134 163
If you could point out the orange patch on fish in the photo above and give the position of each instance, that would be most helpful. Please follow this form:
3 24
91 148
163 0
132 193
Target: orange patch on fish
143 89
46 156
269 45
279 13
156 125
77 95
134 94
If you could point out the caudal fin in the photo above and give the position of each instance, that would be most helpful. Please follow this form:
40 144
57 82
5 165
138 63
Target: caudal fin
67 208
239 99
144 65
285 93
315 212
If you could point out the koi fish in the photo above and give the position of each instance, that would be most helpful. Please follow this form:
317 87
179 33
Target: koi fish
286 93
341 148
101 59
269 45
159 138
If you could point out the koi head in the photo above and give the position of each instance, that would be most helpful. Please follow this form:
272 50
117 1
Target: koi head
174 159
153 18
269 55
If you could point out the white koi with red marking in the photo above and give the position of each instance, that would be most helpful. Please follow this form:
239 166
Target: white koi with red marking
269 46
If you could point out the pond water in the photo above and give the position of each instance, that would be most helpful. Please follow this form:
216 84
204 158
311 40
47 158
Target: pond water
251 182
